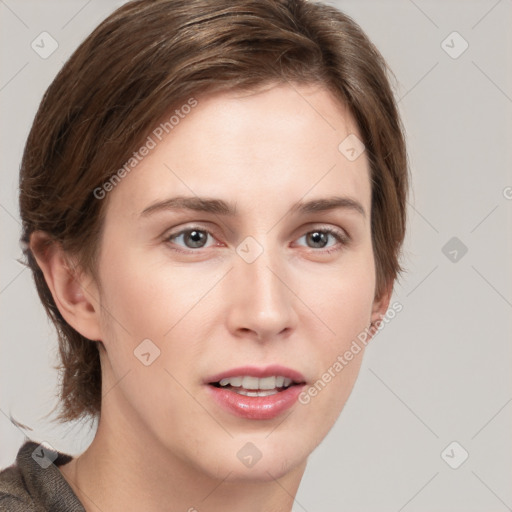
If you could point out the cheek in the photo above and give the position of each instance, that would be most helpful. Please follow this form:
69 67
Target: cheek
343 298
147 296
145 300
344 305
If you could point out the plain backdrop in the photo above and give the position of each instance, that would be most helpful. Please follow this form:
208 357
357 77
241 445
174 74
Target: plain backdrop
435 384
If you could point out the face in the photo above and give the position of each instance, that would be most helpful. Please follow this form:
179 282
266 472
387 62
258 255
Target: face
203 307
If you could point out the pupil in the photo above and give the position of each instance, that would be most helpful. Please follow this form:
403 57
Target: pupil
196 237
317 237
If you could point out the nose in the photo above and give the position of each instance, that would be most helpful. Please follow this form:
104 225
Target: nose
261 299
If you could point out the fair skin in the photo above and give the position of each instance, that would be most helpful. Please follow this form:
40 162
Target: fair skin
162 441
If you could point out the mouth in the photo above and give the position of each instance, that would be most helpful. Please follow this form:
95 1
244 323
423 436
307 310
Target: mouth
253 386
256 393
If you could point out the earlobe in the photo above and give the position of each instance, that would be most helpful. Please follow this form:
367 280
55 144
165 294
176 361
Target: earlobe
380 306
75 295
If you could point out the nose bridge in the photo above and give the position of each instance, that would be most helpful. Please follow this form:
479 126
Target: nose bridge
264 303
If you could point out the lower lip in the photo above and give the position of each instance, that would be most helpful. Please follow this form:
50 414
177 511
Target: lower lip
256 407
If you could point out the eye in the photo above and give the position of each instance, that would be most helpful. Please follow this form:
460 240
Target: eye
193 238
196 237
319 238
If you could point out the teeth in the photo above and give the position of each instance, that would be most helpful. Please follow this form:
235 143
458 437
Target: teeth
250 383
267 383
233 381
267 392
254 383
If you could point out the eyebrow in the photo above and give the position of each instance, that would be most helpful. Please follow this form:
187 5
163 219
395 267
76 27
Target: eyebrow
221 207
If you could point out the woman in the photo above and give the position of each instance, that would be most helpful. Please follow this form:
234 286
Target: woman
213 203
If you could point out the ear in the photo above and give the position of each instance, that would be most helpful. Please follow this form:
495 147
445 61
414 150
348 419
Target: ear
381 303
75 294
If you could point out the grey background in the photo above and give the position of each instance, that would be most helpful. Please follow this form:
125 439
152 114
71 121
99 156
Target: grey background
441 370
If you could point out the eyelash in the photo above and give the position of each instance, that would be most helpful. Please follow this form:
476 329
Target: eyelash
341 237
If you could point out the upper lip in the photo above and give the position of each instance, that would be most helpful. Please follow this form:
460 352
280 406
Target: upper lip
260 372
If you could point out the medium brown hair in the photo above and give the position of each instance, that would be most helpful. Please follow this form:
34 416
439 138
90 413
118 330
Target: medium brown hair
151 56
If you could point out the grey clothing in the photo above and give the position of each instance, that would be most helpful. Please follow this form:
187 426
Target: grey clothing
33 483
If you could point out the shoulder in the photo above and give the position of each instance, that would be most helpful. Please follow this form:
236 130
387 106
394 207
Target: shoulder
34 483
14 495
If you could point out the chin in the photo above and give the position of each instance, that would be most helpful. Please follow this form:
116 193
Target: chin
258 457
263 471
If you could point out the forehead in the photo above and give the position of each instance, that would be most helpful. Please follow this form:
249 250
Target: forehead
253 148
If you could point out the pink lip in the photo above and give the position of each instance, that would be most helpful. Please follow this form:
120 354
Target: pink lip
254 371
260 407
